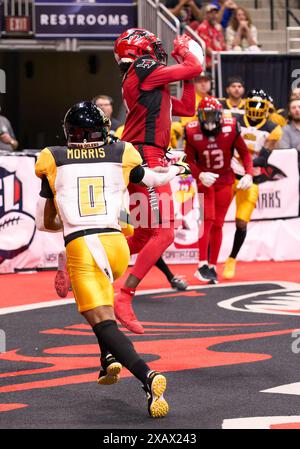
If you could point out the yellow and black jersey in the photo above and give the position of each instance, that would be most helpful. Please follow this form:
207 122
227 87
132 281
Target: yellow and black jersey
255 135
88 184
231 110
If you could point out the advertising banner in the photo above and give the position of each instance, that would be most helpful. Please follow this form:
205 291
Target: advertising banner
279 189
22 246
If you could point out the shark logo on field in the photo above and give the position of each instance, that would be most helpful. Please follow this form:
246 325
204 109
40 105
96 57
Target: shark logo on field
277 302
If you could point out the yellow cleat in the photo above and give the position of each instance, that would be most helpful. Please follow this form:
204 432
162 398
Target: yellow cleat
109 375
154 387
229 268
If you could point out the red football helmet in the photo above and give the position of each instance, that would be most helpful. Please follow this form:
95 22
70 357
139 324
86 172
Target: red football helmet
137 42
210 113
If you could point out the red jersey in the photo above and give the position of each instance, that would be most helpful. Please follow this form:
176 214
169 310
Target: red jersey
214 153
149 103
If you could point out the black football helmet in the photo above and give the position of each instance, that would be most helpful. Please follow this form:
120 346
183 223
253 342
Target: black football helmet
84 123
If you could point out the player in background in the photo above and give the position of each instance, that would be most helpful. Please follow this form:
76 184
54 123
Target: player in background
234 103
261 136
82 189
202 89
209 148
142 61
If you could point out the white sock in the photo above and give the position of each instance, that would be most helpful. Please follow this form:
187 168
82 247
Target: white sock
202 262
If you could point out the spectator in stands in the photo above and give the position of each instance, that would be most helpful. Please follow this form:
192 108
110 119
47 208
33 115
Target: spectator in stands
291 132
202 89
234 103
105 103
295 94
209 30
241 34
187 11
8 140
225 8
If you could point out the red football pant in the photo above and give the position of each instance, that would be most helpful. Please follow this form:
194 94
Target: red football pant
152 215
217 199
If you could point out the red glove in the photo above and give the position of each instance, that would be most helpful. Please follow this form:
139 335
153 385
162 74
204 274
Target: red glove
181 47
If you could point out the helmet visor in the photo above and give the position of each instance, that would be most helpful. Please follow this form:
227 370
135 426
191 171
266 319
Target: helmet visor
210 116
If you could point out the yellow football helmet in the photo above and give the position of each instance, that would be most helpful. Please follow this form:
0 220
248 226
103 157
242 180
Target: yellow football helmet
257 105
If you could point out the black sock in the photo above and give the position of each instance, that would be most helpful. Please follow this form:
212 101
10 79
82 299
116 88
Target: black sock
239 237
164 268
104 351
108 333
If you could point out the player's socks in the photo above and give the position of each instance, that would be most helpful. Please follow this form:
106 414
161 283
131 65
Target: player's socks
176 281
121 348
124 311
239 237
164 268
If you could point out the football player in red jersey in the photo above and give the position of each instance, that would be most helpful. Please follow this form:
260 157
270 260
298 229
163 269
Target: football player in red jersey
210 142
142 60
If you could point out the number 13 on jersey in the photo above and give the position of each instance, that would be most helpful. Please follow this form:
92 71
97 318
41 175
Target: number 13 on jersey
91 198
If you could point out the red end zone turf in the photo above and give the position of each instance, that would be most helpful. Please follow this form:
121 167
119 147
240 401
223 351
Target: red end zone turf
20 289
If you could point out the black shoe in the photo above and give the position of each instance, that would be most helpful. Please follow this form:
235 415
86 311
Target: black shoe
154 387
111 369
214 275
178 283
204 273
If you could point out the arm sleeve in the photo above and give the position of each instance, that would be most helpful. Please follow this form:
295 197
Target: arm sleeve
185 106
46 191
191 159
137 174
188 69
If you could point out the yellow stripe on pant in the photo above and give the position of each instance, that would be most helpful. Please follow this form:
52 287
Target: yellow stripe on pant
245 201
91 287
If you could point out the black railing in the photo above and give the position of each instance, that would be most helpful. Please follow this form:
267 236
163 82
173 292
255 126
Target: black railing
289 14
272 14
272 22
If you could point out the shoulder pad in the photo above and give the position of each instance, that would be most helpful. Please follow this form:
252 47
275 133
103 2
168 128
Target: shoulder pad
145 65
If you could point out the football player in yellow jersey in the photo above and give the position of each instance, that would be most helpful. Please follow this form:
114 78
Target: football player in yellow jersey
261 136
82 188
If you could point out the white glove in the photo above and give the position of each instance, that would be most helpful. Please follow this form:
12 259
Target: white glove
245 182
207 178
